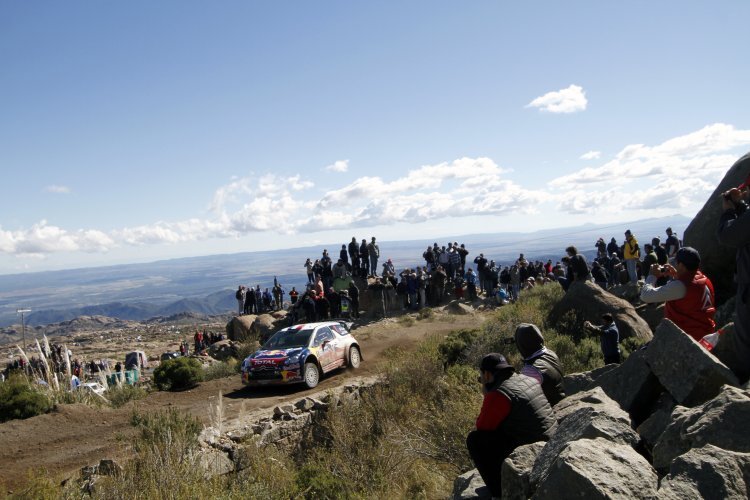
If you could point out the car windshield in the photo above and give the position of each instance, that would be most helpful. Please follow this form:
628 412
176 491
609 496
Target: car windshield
287 339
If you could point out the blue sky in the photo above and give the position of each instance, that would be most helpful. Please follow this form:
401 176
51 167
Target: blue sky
135 131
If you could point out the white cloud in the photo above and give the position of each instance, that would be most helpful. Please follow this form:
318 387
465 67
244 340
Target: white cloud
569 100
641 179
338 166
591 155
677 173
54 188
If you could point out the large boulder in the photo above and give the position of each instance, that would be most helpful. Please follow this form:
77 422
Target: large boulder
264 326
598 469
707 472
605 419
719 422
240 328
591 301
652 314
656 423
456 307
717 261
688 371
632 385
578 382
516 470
470 486
223 350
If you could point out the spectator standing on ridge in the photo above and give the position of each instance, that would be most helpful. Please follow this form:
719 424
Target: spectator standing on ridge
240 296
310 273
649 259
540 363
734 231
293 296
671 246
599 274
688 297
373 250
609 337
514 413
364 256
613 247
579 264
343 255
631 254
354 256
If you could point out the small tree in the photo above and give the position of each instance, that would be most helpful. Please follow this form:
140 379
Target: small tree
178 374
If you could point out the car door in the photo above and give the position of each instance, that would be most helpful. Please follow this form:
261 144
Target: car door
325 341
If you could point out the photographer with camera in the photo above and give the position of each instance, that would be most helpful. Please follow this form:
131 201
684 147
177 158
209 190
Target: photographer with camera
609 337
734 231
688 296
514 412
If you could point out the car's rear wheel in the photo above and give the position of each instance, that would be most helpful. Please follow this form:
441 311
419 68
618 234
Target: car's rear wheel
312 375
355 357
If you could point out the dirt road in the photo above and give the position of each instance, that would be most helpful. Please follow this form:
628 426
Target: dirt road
73 436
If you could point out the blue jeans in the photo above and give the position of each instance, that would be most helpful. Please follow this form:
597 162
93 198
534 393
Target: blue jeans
630 264
373 265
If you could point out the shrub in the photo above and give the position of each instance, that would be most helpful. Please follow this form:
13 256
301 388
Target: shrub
177 374
19 399
454 345
425 313
119 396
406 321
221 369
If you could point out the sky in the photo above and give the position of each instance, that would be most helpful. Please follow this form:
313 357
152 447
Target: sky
138 131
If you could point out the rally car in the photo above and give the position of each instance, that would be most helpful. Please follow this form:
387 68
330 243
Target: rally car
302 354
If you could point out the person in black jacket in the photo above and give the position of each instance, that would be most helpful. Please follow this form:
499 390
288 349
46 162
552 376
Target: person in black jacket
734 231
514 412
540 363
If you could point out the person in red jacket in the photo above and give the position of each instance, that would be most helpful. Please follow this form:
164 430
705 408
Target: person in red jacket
514 412
689 296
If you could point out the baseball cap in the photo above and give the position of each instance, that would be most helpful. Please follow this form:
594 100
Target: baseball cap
689 256
494 362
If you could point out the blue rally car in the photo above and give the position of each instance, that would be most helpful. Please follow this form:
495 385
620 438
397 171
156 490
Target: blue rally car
302 354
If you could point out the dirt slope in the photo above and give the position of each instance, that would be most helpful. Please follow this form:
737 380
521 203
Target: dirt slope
73 436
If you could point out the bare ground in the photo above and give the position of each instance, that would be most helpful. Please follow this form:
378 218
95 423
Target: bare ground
73 436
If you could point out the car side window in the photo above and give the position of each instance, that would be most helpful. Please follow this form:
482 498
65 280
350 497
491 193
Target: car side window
323 334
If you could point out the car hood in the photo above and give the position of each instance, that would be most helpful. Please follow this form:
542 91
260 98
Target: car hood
274 356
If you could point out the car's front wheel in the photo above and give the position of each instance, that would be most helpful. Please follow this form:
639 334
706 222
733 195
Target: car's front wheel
312 375
355 357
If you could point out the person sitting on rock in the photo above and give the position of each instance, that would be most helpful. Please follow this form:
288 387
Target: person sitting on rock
540 363
688 297
514 413
609 337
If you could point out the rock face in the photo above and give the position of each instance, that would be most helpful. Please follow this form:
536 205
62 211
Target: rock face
578 382
719 422
591 301
223 350
253 327
470 485
691 374
594 415
598 468
240 328
517 469
632 385
707 472
717 261
456 307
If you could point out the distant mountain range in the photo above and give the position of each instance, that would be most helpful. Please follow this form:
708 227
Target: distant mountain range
206 285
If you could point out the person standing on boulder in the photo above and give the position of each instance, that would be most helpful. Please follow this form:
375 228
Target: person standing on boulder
671 246
514 413
609 337
540 363
734 231
631 253
688 297
373 250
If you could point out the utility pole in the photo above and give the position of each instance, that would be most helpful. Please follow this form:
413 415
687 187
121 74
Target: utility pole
23 325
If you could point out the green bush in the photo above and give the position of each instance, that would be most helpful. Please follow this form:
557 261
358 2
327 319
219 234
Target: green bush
119 396
222 369
177 374
454 345
18 399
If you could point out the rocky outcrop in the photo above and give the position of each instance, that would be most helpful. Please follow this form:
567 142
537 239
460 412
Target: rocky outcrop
517 469
590 301
691 374
717 261
578 382
719 422
223 350
591 415
240 328
707 472
699 451
254 327
598 468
